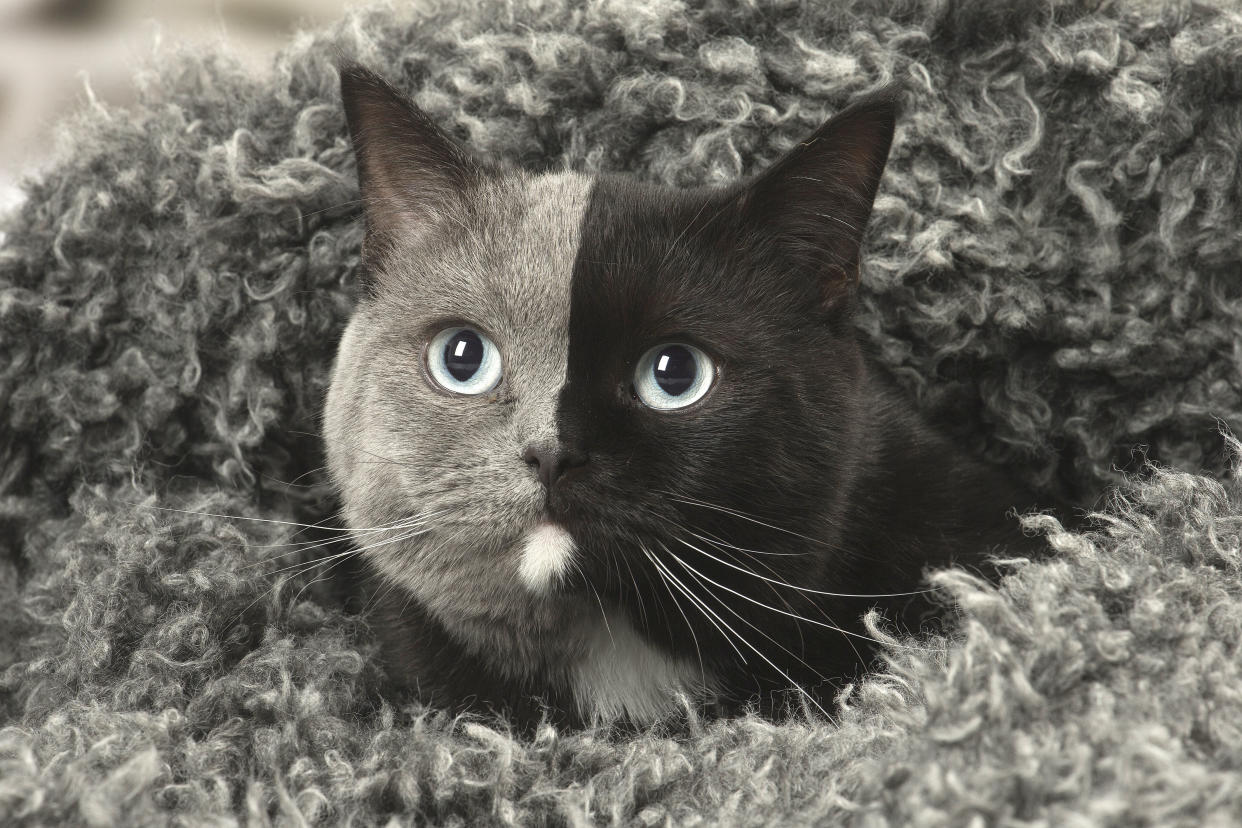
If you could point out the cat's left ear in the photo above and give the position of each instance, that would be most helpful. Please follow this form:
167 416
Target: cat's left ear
414 178
814 202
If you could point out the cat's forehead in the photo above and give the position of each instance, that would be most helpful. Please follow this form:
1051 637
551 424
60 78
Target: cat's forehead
531 230
539 261
510 268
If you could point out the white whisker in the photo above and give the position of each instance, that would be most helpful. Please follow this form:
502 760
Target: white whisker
807 590
759 653
276 522
309 545
734 513
697 602
699 577
783 598
341 558
306 566
348 552
790 614
719 542
689 626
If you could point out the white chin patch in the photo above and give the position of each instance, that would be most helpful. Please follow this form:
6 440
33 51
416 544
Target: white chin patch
547 551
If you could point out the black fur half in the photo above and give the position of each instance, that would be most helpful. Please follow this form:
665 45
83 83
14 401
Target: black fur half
802 468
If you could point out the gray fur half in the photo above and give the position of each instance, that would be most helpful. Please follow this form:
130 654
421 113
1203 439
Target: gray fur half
1053 262
399 449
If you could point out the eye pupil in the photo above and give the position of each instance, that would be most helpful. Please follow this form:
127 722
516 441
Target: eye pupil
675 370
463 354
672 376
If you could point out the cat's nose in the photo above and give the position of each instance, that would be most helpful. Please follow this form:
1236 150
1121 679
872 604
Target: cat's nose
552 461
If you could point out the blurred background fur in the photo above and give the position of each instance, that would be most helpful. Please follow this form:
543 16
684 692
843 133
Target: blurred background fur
54 53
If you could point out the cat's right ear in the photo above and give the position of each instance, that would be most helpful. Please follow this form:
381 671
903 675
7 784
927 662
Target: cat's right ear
413 176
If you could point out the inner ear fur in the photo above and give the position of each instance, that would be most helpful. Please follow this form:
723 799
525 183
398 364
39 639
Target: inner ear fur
816 199
412 175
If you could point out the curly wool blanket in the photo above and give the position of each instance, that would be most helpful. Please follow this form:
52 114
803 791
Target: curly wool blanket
1052 271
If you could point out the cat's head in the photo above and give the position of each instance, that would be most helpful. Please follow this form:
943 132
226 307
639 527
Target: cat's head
552 379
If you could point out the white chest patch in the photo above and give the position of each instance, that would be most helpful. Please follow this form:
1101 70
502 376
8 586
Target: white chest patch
623 675
547 552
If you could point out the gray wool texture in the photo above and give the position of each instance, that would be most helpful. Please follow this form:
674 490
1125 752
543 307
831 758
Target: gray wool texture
1053 265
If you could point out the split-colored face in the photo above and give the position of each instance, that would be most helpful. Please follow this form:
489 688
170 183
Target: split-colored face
555 385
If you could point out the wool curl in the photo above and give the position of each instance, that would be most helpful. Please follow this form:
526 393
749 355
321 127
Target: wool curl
1050 271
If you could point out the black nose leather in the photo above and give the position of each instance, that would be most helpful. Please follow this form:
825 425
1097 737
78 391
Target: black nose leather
552 461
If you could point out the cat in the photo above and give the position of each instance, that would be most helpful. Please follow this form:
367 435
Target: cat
612 448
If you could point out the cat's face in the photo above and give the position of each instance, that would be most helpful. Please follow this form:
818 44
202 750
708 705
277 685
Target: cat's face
556 385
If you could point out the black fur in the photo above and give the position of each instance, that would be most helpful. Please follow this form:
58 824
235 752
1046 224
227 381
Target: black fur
801 472
836 485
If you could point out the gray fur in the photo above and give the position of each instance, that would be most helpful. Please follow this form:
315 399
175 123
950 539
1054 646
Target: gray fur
398 448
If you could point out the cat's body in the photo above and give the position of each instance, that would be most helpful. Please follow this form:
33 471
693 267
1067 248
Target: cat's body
607 443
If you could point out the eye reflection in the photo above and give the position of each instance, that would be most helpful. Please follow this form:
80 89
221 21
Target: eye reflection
673 375
464 361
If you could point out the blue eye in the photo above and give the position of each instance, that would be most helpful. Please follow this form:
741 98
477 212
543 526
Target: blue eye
673 375
464 361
